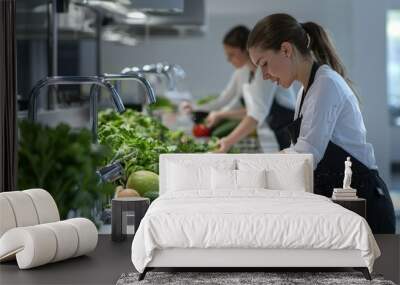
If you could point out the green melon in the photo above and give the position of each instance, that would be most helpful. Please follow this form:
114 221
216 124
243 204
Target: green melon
143 181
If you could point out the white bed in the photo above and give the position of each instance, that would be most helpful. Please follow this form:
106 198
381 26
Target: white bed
196 223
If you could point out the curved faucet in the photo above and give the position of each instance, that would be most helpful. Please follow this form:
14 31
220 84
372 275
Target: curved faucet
170 71
175 69
136 76
94 91
71 80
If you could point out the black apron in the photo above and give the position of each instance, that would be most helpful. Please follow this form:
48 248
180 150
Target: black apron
278 118
329 174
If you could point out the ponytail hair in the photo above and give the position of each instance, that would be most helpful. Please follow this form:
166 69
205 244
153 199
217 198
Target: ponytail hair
309 38
323 49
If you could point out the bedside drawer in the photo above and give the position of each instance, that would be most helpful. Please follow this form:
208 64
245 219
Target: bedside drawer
358 205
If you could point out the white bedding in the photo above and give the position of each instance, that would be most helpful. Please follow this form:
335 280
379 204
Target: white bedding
252 218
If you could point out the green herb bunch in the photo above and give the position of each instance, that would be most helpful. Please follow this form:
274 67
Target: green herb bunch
140 139
63 162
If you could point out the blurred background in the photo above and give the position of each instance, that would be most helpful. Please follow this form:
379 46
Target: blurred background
92 37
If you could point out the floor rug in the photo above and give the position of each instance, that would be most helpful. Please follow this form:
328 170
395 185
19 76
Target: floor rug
243 278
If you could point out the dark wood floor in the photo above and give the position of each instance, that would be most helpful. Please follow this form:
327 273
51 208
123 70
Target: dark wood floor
103 266
110 260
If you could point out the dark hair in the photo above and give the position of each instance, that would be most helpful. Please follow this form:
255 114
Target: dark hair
309 38
237 37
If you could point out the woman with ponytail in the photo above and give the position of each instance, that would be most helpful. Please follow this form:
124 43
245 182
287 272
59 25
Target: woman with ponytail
328 121
248 97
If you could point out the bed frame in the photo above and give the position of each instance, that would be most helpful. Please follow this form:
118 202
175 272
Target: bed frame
241 259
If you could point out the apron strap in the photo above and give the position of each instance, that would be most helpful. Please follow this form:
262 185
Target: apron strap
314 69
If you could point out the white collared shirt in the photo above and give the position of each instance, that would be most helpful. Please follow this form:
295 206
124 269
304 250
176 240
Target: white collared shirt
331 113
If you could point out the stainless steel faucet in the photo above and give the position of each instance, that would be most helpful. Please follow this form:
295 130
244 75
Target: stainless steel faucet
175 71
170 71
71 80
94 91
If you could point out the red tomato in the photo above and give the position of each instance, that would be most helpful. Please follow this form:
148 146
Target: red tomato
200 130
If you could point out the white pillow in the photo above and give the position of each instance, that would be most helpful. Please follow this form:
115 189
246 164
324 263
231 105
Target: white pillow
251 178
187 175
223 179
229 180
281 174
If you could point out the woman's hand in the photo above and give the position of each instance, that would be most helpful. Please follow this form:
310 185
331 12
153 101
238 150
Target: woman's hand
213 118
224 145
186 107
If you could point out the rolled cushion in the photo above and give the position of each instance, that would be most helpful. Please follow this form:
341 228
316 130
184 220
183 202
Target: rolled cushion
45 205
87 235
24 210
33 246
37 245
7 218
66 238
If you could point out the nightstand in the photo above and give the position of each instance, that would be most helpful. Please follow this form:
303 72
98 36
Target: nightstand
358 206
126 215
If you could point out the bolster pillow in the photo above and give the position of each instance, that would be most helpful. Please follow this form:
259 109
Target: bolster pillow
26 208
40 244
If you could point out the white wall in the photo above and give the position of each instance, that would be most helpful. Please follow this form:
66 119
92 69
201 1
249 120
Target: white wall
203 57
395 141
357 27
394 130
369 54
